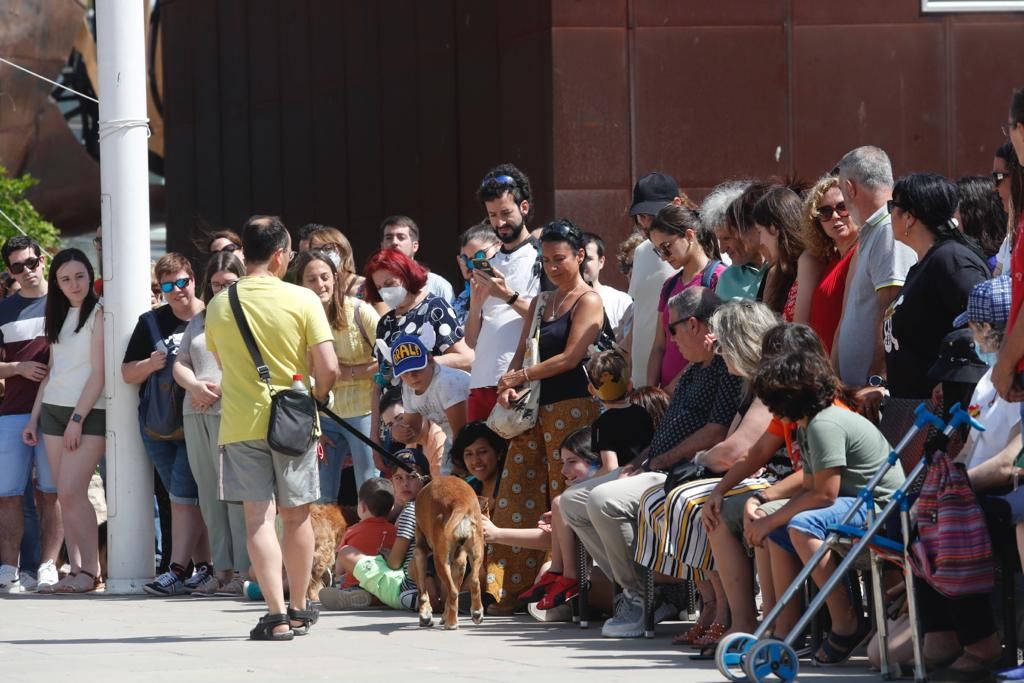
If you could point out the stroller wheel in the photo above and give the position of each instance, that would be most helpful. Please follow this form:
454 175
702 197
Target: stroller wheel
730 653
771 658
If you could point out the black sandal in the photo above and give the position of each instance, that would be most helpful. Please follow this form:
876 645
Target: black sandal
838 648
308 617
265 628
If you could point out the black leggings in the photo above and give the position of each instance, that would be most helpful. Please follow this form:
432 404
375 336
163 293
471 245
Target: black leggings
970 617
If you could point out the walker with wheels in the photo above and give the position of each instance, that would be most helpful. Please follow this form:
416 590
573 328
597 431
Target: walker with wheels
752 657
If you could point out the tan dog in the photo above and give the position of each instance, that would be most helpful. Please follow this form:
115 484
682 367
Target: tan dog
328 528
448 521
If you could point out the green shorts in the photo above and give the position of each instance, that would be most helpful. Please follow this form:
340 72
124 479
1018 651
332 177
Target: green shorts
383 582
732 510
53 420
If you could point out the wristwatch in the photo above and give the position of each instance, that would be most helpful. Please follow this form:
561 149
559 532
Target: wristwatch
877 381
76 418
512 299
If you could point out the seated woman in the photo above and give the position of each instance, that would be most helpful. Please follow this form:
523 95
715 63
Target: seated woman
481 453
672 541
840 451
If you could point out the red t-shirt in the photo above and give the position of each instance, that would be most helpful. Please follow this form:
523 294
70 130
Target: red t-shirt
827 300
371 536
1017 282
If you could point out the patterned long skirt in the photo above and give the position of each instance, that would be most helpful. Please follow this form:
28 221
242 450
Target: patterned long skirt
531 478
671 537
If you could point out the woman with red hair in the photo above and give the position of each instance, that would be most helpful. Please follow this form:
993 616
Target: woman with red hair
400 283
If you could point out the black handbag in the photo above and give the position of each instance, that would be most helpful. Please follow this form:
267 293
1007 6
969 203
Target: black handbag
685 472
293 426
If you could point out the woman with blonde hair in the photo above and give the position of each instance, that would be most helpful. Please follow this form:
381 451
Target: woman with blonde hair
332 242
830 236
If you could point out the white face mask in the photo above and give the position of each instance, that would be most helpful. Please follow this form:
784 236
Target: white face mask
335 259
393 296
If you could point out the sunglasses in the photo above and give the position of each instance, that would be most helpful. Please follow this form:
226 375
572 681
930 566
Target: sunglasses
468 260
230 247
826 212
893 204
498 180
28 264
999 176
180 283
562 229
672 326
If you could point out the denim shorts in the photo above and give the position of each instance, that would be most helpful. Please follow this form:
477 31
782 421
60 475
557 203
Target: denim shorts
171 461
17 459
816 523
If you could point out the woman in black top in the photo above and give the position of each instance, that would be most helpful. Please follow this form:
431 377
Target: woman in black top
948 266
570 322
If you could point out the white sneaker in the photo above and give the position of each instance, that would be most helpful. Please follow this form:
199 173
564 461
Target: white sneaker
201 578
666 611
167 583
628 621
28 582
9 582
47 576
560 613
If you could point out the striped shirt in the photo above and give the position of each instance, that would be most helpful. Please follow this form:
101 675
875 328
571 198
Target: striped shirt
22 338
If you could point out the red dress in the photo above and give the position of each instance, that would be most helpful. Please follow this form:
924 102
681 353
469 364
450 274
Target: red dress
827 300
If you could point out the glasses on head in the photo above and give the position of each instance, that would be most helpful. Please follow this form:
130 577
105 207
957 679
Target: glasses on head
498 180
563 229
827 212
999 176
180 283
230 247
31 263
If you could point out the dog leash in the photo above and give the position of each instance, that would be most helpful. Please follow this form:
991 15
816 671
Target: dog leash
388 455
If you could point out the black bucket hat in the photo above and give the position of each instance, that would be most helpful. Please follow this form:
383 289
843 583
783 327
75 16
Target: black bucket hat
958 360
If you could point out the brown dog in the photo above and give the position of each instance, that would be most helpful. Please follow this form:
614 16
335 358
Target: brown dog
328 528
448 521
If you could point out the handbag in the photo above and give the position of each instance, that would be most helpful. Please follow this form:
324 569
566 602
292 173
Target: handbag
685 472
160 407
521 414
953 549
293 423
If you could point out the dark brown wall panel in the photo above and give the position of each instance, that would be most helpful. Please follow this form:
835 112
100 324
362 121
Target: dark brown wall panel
577 13
233 113
710 103
179 135
296 122
328 85
651 13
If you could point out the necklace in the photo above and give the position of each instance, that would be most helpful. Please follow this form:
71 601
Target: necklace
555 309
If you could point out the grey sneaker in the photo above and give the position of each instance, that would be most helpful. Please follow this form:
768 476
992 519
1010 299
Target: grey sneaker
347 598
208 587
29 584
628 621
166 584
9 579
232 589
200 578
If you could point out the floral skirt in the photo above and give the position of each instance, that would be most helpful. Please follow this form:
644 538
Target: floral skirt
531 478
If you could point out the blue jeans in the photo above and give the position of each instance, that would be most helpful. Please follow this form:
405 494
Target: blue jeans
19 459
344 442
816 523
171 461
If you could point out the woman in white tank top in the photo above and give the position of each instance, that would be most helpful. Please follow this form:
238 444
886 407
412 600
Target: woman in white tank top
69 410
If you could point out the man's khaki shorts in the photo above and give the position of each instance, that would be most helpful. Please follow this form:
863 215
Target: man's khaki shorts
251 471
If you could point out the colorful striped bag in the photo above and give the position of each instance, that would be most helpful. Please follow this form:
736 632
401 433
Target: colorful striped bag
953 550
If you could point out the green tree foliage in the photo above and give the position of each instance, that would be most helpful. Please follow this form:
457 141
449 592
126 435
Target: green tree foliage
20 210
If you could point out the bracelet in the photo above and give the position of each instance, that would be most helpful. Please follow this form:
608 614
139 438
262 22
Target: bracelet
512 299
525 376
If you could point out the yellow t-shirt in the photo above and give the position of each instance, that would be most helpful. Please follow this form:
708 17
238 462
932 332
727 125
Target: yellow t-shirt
353 344
286 320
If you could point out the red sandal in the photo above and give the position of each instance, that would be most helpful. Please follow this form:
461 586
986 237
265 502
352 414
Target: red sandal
539 589
560 592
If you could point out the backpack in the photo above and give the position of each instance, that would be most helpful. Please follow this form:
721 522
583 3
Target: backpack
953 550
705 280
160 408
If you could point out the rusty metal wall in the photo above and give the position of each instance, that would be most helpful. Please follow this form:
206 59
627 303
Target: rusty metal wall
344 112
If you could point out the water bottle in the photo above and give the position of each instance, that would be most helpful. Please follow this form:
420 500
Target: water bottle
298 385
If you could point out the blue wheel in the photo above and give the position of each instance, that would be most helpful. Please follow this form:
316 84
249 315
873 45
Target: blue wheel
730 653
771 658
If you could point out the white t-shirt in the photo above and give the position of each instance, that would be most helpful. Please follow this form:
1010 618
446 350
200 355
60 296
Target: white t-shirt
71 362
440 287
616 303
649 275
449 386
1003 257
501 325
999 417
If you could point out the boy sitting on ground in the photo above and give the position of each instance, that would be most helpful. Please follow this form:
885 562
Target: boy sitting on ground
373 533
384 575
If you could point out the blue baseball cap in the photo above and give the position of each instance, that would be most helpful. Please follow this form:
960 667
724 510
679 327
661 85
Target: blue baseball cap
407 354
414 457
988 302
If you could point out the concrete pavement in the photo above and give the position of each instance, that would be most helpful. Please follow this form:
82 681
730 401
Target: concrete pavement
113 638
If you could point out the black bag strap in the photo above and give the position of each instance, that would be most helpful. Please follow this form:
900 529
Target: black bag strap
247 337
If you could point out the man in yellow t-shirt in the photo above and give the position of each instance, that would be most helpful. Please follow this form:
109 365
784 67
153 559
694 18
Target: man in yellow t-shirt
291 329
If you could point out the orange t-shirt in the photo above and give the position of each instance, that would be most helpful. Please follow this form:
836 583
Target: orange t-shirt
371 536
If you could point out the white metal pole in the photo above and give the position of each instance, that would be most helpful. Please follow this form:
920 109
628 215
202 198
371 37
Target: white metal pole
124 187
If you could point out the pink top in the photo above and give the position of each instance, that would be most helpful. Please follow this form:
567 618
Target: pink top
672 362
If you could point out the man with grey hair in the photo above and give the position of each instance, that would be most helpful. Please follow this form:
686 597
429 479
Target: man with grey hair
865 179
603 510
742 279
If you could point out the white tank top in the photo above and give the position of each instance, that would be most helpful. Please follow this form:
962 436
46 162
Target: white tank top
71 362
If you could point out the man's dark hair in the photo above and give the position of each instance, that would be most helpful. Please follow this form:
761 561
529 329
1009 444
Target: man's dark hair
306 230
390 396
414 230
506 178
378 495
593 238
262 236
17 243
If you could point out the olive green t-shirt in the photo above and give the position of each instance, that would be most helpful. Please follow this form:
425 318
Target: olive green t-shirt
837 437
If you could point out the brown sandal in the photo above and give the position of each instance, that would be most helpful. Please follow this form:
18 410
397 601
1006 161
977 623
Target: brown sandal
696 631
72 587
58 587
711 636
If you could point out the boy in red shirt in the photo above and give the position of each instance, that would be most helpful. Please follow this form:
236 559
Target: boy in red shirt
373 534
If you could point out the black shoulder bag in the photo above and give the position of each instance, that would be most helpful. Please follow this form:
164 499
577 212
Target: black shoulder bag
292 429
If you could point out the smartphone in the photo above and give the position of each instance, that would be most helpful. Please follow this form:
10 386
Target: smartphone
484 265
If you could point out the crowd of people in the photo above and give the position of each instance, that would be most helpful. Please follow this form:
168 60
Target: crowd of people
711 424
